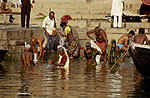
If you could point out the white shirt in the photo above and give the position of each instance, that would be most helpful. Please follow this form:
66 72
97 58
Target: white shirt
48 24
117 6
21 2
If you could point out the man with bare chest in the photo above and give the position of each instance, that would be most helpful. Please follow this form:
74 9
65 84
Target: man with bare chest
123 42
141 38
38 46
101 39
26 56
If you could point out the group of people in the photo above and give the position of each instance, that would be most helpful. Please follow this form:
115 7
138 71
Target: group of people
69 41
69 47
115 50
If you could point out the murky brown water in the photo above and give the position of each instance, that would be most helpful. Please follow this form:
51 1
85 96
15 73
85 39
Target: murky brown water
80 81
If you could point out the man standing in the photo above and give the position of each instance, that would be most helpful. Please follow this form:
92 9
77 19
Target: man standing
101 39
49 25
123 42
116 12
141 37
25 6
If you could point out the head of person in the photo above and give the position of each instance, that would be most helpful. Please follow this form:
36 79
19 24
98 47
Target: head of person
51 15
141 31
33 41
63 25
88 47
27 47
97 31
113 42
61 50
131 34
4 1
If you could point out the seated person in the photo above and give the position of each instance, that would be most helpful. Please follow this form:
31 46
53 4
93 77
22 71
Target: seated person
90 54
37 45
26 56
3 9
63 61
123 43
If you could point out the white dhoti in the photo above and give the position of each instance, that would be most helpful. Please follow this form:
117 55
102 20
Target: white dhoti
116 11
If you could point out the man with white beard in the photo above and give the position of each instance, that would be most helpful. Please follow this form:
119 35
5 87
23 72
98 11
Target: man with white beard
116 12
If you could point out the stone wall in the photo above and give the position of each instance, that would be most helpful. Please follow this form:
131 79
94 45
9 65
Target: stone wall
13 39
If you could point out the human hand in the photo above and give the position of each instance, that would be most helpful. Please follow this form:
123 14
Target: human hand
47 34
50 62
31 6
20 5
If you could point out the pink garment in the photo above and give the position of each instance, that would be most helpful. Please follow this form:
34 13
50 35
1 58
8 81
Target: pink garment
147 2
102 46
66 18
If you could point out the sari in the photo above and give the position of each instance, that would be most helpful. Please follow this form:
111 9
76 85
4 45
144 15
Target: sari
73 42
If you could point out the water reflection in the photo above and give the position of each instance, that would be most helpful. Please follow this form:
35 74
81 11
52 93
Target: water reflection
80 81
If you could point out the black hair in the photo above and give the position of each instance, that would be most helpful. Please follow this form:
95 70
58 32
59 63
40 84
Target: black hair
141 30
4 0
97 27
51 12
88 45
132 32
63 24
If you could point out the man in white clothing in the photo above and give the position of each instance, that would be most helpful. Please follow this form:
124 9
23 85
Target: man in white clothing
116 12
49 24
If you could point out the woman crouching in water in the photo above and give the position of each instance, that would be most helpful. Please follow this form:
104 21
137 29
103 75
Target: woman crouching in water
63 61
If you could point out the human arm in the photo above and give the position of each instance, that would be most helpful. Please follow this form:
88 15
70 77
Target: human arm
90 32
62 62
146 39
44 26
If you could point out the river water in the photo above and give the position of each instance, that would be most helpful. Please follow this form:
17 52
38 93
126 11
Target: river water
79 81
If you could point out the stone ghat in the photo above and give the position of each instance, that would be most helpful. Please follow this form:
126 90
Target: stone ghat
14 38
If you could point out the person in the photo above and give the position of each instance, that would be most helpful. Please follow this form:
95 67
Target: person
3 9
101 39
73 40
114 53
116 12
123 42
145 7
26 56
49 25
63 61
25 6
37 45
141 38
90 54
65 18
